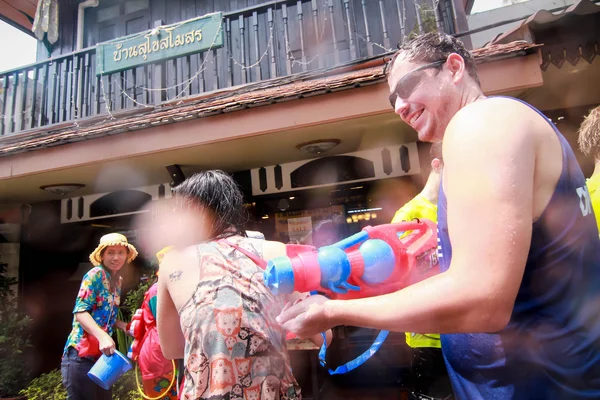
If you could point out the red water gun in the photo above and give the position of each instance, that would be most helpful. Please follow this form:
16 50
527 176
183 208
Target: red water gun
375 261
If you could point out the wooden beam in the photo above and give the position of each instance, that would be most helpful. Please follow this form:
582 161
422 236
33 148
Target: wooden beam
510 75
26 6
11 13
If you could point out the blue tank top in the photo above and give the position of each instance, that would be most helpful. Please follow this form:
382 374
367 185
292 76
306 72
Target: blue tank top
551 346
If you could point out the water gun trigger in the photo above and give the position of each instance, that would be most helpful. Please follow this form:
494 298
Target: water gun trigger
348 286
335 288
342 287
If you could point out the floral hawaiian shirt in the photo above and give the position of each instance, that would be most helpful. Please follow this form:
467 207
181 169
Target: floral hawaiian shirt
96 298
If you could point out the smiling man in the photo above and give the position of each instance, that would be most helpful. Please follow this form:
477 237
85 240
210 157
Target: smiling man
518 303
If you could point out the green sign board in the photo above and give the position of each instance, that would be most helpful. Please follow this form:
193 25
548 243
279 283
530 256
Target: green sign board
162 43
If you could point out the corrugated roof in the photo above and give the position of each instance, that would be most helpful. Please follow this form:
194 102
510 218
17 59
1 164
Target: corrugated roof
544 18
239 98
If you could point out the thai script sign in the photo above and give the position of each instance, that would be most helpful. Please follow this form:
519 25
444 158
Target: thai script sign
162 43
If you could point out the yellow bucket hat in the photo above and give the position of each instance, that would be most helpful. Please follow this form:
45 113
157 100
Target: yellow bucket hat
161 254
112 239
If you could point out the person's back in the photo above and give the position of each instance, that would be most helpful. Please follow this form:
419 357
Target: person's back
214 310
550 348
234 346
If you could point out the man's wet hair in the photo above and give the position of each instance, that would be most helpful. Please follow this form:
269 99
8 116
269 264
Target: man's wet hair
432 47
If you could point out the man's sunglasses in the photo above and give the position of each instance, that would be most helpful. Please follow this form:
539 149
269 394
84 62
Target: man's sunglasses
409 82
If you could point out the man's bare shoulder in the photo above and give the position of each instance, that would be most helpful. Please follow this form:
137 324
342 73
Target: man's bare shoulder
494 122
497 106
509 113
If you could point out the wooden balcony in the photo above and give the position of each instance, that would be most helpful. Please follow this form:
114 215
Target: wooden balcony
275 39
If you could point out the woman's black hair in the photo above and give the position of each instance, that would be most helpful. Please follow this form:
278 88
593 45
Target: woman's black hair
220 194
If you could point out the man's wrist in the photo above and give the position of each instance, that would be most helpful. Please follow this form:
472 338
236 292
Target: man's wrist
332 312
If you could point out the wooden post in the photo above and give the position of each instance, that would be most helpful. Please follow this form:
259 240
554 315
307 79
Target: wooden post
4 109
159 76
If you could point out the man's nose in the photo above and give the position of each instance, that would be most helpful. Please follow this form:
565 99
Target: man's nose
400 107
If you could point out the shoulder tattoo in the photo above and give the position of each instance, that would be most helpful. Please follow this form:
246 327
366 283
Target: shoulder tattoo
175 275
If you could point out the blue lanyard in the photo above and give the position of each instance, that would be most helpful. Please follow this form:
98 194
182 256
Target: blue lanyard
358 361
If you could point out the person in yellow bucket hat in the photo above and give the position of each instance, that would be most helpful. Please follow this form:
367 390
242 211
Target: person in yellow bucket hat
161 254
95 317
158 373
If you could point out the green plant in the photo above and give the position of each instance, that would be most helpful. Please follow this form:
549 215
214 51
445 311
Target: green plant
133 301
135 297
428 22
46 387
123 340
125 388
49 387
15 340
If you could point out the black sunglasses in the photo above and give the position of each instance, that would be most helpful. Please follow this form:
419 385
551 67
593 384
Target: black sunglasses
412 80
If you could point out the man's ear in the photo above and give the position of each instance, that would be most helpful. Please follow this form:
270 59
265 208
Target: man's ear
456 65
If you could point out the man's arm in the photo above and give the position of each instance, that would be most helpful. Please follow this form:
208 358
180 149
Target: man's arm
170 336
488 181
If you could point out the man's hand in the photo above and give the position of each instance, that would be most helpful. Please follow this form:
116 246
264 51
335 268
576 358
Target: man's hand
107 344
306 317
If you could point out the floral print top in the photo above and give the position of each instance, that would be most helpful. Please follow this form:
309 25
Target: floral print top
96 298
234 348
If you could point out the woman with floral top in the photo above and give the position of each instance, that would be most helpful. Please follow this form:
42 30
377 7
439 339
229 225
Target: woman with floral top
95 317
214 309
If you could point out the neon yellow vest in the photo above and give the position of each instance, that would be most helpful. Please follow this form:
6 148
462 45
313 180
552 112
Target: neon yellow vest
593 184
419 207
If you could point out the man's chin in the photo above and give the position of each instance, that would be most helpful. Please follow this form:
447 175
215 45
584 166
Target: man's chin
425 136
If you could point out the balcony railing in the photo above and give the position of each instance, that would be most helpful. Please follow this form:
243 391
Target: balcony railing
271 40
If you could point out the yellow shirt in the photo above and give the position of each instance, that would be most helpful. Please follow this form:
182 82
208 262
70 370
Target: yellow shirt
419 207
593 184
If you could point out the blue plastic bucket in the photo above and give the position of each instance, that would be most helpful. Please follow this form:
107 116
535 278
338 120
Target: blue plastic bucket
108 369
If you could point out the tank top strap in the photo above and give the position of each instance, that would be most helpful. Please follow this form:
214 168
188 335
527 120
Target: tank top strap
255 258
